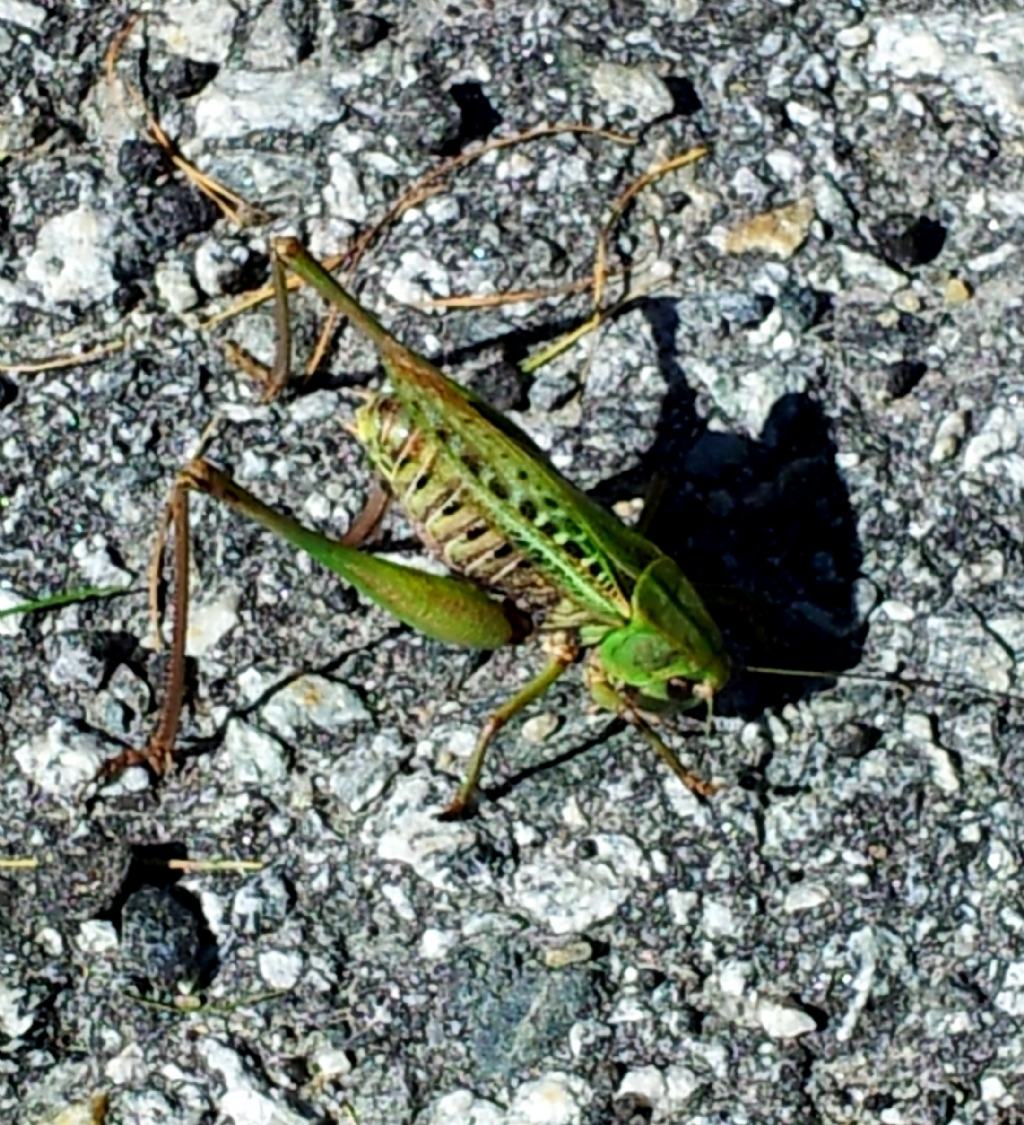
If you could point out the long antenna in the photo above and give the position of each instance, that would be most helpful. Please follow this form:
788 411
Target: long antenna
882 678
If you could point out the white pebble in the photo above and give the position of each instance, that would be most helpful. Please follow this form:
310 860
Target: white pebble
209 621
279 969
554 1099
781 1021
73 259
251 756
96 938
571 893
465 1108
9 598
60 759
632 88
312 700
804 896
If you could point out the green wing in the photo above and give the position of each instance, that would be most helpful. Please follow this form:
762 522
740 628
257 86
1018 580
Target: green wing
583 549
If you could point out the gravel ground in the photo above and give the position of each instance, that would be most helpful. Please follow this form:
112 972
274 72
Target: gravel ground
827 378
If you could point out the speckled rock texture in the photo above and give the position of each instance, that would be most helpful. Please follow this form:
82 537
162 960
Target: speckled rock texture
823 368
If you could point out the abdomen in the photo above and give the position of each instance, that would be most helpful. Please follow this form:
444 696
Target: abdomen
430 490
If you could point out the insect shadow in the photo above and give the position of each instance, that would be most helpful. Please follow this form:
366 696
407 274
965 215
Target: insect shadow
763 527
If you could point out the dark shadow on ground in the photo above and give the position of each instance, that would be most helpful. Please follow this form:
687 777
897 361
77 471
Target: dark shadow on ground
762 527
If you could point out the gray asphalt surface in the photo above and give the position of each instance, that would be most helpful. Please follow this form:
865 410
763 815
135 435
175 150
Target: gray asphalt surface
823 369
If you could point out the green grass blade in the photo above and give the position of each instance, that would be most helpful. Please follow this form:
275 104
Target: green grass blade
66 597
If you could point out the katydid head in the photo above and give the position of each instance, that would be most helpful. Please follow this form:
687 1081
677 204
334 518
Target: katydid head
670 651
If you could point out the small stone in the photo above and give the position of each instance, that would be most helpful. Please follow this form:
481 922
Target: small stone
10 625
907 301
465 1108
956 292
895 610
569 893
917 726
418 280
781 1021
1002 432
331 1062
435 944
980 448
1010 631
554 1099
197 29
95 561
239 102
804 116
733 976
682 907
632 89
787 166
254 758
218 267
242 1099
279 969
992 1088
407 831
852 37
918 729
397 896
571 953
97 938
313 700
1010 997
14 1022
865 269
361 777
344 195
906 49
645 1083
61 759
864 947
804 896
948 437
175 288
260 905
306 410
780 232
51 941
73 259
717 919
209 621
23 14
680 11
911 104
992 259
943 769
124 699
680 1085
540 728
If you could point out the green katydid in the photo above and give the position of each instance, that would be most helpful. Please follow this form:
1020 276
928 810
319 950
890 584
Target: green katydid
527 549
